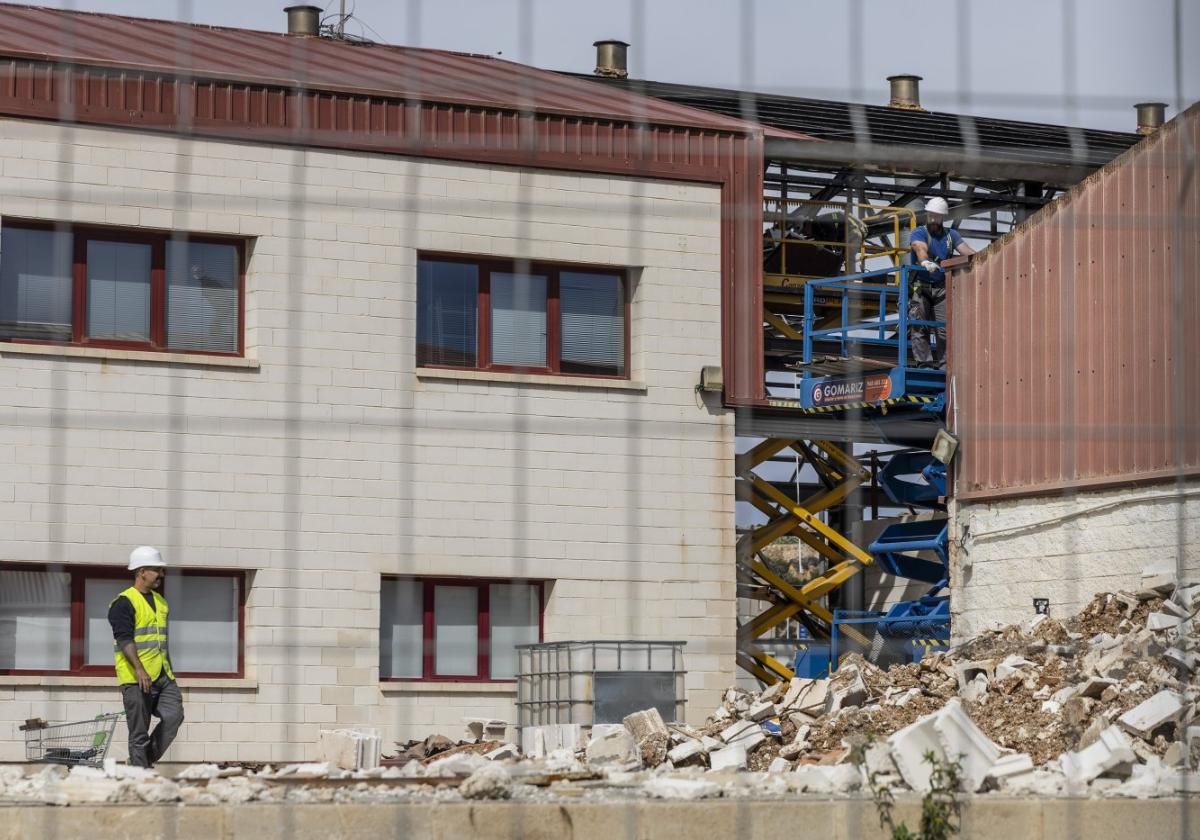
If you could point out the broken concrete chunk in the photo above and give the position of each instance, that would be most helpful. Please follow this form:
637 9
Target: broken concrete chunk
457 764
779 765
741 729
816 778
1185 662
651 734
683 752
805 695
732 757
666 787
965 672
761 711
614 748
1011 665
975 690
503 752
1095 686
1160 577
1110 751
1143 719
710 743
486 729
846 693
350 749
540 741
488 782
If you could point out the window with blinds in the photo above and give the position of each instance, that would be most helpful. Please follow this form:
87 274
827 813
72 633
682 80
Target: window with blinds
498 315
120 288
202 296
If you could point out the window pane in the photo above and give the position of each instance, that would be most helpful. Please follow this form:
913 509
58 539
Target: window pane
118 290
203 623
35 284
518 320
35 620
97 632
202 296
447 320
456 625
401 629
593 323
513 610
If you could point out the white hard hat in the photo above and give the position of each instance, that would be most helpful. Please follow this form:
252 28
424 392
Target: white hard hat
145 555
937 205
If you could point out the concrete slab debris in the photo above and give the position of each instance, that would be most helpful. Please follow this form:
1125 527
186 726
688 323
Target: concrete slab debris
1143 719
732 757
350 749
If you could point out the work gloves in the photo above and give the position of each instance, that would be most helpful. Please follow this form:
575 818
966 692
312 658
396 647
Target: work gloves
930 266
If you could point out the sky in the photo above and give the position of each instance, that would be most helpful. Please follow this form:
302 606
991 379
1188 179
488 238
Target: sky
1078 62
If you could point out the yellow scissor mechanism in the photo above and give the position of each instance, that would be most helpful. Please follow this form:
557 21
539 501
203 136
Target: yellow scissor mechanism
839 474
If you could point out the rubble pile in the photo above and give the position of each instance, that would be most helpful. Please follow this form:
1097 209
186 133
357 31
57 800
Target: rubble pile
1103 704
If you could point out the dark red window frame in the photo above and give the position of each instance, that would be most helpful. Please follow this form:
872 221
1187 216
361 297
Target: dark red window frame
551 271
483 666
80 574
157 240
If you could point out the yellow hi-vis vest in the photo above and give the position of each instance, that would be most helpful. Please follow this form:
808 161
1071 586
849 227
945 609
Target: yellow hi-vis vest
149 636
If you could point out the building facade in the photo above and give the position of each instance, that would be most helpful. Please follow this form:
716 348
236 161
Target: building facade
386 416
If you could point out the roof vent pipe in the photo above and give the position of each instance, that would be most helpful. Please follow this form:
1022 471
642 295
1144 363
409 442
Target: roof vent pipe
1150 116
611 59
303 20
906 92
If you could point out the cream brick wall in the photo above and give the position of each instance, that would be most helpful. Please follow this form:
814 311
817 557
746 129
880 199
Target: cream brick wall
333 463
1065 548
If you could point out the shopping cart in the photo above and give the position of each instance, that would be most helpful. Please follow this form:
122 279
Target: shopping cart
84 743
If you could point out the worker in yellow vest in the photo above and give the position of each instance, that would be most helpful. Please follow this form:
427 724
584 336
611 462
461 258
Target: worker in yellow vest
138 617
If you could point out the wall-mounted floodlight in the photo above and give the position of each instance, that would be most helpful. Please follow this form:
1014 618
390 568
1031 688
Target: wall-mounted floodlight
712 379
944 446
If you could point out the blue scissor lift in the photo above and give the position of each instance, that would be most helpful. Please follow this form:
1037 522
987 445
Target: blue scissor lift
865 359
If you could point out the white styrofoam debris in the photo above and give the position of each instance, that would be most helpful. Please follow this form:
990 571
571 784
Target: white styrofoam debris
1012 764
668 787
1110 751
948 733
732 757
1150 714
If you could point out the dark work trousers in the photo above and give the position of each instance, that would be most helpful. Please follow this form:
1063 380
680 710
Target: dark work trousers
163 702
927 302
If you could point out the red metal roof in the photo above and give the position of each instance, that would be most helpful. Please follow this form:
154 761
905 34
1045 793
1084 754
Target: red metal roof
245 55
1073 340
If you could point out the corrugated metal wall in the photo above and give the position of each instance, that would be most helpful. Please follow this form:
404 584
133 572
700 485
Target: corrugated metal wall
1075 340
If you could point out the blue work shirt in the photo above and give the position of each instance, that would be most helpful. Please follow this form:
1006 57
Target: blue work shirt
940 247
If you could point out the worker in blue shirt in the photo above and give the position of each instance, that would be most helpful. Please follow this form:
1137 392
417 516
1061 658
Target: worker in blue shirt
931 243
